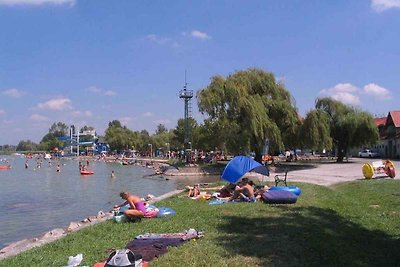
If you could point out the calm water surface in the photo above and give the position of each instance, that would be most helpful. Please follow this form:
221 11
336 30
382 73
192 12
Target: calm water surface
33 201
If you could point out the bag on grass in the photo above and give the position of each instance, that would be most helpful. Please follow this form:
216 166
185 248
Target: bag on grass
124 258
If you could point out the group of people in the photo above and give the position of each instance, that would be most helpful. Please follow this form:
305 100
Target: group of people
39 165
244 190
83 167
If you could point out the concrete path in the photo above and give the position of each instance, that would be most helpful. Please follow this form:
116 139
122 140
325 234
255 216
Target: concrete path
332 173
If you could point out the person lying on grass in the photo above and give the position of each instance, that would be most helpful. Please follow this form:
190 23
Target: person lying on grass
226 192
137 208
194 191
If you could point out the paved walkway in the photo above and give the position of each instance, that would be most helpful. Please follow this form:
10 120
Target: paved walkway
332 173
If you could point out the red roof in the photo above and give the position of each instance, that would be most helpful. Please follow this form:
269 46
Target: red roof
395 117
380 121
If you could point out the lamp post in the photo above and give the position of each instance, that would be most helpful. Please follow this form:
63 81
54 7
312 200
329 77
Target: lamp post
151 150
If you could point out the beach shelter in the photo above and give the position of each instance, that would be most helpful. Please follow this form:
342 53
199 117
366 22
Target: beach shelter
241 165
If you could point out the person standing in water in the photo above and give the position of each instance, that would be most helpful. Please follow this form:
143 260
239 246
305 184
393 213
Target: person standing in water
112 174
26 164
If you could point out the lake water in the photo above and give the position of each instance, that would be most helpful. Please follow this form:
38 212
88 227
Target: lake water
33 201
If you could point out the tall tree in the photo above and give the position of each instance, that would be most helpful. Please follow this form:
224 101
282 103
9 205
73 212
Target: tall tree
27 145
315 131
119 137
161 129
348 127
59 129
178 137
50 140
210 137
115 123
249 107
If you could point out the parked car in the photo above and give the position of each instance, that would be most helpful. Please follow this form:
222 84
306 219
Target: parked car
368 154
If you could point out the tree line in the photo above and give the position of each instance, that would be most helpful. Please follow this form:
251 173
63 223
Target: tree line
243 111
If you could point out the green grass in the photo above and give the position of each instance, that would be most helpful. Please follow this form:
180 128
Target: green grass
351 224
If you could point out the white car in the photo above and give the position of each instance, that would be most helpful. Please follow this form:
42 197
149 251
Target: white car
368 154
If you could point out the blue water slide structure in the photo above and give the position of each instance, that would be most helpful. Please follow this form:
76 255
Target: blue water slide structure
75 142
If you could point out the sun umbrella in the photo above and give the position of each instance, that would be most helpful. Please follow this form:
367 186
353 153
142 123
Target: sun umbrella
241 165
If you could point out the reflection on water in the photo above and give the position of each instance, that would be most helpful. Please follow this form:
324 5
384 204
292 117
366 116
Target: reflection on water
33 201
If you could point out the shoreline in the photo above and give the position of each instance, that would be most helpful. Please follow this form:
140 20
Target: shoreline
18 247
324 174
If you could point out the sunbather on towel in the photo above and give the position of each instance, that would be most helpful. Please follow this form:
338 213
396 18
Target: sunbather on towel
194 191
137 207
244 187
227 191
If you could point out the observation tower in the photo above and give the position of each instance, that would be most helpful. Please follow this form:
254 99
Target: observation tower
187 96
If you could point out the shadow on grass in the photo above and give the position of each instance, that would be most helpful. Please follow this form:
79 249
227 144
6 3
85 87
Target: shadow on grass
308 236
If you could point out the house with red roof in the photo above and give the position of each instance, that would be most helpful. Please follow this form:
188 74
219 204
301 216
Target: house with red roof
389 133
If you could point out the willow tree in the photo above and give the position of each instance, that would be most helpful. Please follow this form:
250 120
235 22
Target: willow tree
315 131
348 126
250 107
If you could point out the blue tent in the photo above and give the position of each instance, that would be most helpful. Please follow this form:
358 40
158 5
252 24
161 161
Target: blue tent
239 166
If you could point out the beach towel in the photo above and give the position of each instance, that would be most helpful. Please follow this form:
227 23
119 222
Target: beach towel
154 245
223 201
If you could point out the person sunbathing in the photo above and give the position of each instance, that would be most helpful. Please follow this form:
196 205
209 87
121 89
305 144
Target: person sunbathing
227 191
194 191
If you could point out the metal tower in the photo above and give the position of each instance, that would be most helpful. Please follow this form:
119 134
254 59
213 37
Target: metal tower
187 96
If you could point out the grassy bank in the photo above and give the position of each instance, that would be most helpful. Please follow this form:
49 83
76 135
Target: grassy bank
353 224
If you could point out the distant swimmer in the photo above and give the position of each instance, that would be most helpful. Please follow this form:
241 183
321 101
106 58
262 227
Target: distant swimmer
112 174
58 168
26 164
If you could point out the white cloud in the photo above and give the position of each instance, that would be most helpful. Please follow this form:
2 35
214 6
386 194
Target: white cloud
13 92
162 40
37 117
343 92
341 87
100 91
346 98
125 120
37 2
56 104
157 39
382 5
377 91
109 93
147 114
200 35
79 113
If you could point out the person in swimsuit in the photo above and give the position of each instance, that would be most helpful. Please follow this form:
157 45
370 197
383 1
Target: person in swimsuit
243 190
137 207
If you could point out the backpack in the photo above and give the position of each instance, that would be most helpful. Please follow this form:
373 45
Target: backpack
124 258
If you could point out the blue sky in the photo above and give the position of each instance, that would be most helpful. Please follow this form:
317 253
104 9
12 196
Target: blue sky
89 62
